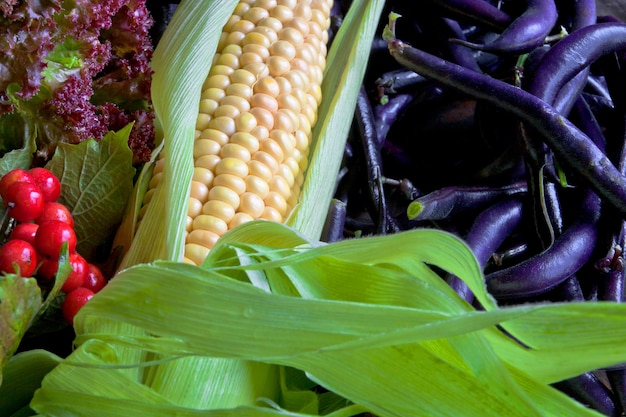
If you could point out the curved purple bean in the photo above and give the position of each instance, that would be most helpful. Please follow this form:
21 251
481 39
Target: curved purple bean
335 221
386 114
479 12
451 201
486 234
378 204
588 389
459 54
572 55
545 271
570 145
525 33
617 380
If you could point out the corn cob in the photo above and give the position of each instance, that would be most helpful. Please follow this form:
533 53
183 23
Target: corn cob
258 105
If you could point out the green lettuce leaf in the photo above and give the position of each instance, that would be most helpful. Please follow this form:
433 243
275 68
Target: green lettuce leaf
20 300
97 181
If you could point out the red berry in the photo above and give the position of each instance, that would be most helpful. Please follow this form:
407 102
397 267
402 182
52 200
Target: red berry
11 177
76 278
18 256
51 235
24 231
24 201
47 181
74 301
94 280
48 268
55 211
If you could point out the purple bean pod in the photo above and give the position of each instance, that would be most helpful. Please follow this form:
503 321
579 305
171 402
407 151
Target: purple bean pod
486 234
589 390
525 33
546 270
453 201
386 114
459 54
570 145
335 221
573 54
367 131
479 12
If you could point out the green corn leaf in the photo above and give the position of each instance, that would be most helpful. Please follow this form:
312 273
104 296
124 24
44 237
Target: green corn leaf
392 360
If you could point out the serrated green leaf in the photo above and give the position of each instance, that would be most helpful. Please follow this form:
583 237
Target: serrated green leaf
97 181
20 300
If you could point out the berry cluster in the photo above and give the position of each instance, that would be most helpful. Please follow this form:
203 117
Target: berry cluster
40 226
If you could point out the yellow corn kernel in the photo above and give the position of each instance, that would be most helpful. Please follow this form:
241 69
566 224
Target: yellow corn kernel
202 237
234 150
212 93
286 120
207 161
219 81
229 60
239 218
211 224
263 117
282 13
272 23
235 183
219 209
195 253
243 26
269 31
259 169
252 204
294 32
245 122
261 132
283 48
194 208
274 150
199 191
266 159
277 201
242 76
247 140
256 14
227 111
271 214
258 186
278 65
300 22
259 69
279 185
286 174
286 141
242 104
226 195
232 166
221 70
267 85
